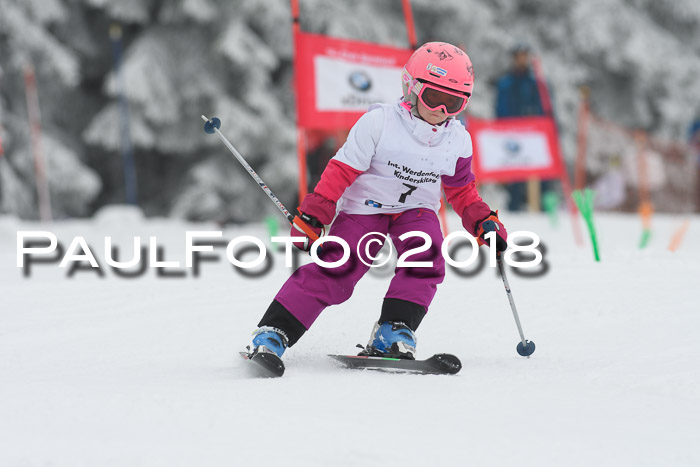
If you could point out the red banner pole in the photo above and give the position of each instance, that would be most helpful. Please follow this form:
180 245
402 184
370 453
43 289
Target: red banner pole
301 139
545 98
301 156
410 27
580 169
413 42
295 15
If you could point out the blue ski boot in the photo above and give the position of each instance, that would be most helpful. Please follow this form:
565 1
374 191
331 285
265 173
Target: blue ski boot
392 339
270 340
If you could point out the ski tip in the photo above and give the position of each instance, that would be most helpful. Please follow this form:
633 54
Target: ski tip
272 363
211 125
527 349
448 362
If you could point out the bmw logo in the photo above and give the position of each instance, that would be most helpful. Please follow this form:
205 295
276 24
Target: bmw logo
512 147
360 81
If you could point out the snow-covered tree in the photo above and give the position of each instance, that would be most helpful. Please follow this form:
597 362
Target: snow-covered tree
233 59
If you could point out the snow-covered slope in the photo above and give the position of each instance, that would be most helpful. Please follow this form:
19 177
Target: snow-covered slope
123 372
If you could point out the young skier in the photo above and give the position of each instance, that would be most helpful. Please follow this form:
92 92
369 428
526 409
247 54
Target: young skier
387 178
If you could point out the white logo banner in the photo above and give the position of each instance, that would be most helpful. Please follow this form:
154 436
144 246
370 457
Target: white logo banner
501 150
344 86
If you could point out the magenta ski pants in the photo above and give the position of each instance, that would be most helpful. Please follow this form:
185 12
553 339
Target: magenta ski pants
312 288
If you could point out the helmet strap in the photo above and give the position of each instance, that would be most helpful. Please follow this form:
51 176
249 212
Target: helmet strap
414 105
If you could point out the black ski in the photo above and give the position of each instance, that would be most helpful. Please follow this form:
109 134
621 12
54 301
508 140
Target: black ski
438 364
265 364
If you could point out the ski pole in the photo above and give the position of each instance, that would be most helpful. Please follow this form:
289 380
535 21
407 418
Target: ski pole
211 126
525 347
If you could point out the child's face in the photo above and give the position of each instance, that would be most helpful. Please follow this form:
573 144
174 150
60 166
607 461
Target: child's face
434 117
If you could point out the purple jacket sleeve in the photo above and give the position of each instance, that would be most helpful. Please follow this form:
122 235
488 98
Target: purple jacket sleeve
462 194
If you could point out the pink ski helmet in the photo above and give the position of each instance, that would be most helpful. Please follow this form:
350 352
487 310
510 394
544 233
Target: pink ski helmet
443 65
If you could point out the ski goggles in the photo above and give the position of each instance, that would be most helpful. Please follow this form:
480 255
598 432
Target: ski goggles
436 98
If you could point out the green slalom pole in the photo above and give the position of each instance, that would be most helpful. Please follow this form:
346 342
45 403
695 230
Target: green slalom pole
584 202
272 226
551 206
645 211
646 236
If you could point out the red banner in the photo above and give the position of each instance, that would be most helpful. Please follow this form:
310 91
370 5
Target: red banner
515 149
338 79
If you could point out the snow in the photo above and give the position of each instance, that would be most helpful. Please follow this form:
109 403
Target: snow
121 372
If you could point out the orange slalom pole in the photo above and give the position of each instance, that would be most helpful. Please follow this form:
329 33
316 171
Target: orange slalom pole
677 238
646 209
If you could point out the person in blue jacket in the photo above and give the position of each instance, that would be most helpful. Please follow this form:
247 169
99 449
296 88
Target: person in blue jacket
518 95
